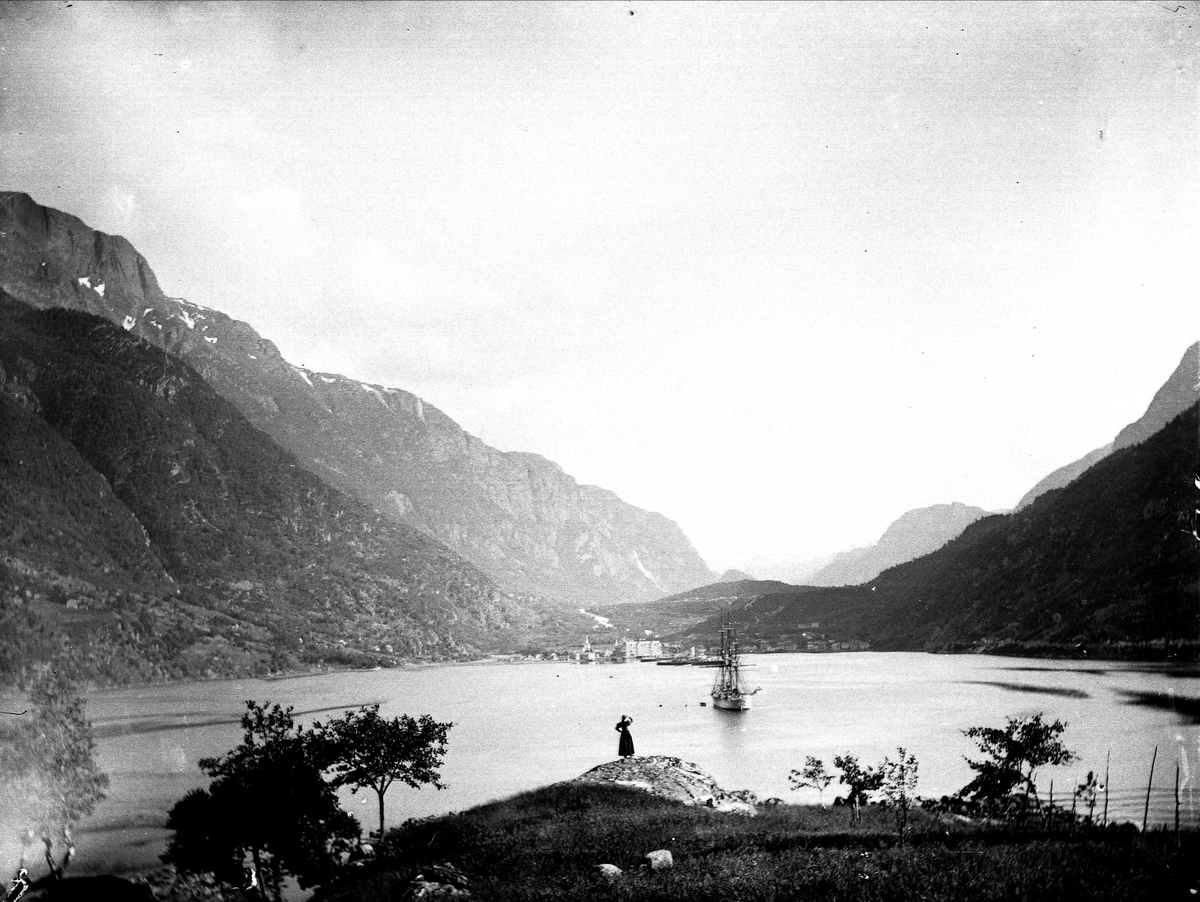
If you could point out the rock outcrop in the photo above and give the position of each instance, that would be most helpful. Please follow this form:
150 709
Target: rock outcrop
671 778
517 516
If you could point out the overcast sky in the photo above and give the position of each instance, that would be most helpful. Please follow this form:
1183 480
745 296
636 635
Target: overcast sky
780 272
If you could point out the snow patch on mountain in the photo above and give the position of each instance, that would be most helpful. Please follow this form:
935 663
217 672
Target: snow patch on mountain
211 341
85 281
637 560
303 375
376 392
188 319
129 322
99 289
193 304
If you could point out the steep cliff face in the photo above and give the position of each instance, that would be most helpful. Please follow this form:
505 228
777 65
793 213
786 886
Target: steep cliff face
517 516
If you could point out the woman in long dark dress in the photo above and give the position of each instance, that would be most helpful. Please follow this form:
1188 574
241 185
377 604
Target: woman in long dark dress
625 749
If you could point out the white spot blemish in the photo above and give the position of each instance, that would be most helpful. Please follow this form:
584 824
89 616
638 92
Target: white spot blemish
252 357
211 341
129 322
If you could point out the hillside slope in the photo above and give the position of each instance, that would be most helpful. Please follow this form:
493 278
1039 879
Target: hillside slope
140 500
517 516
1106 563
914 534
1181 390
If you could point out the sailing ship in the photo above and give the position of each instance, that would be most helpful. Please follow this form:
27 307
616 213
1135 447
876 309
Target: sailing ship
729 690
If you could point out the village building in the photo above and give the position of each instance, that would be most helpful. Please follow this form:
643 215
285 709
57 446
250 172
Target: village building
643 648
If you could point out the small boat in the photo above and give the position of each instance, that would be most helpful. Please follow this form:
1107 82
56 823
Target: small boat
729 690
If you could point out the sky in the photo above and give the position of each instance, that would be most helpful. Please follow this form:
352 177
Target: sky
780 272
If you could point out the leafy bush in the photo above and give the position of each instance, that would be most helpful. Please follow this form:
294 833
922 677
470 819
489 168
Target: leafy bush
369 751
49 777
268 800
814 775
1015 752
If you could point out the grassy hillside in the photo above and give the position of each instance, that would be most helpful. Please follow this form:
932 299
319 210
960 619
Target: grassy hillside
546 845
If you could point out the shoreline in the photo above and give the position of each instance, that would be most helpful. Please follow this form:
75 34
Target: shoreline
1159 665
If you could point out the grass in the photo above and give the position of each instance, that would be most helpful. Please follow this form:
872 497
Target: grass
546 844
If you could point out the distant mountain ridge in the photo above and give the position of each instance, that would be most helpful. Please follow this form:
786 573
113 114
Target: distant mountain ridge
1181 390
1106 565
914 534
517 516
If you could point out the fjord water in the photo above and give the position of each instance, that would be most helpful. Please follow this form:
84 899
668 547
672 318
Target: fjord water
520 726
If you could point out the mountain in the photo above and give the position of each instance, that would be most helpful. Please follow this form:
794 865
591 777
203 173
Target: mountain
734 576
517 516
149 526
914 534
1181 390
1107 564
680 614
793 570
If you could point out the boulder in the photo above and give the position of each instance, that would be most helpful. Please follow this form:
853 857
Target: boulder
672 778
660 859
429 890
438 881
610 871
736 807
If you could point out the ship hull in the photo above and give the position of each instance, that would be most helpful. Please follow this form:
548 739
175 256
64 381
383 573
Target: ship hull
732 703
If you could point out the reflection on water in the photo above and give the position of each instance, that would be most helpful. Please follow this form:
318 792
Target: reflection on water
1025 687
518 727
133 724
1187 709
1176 671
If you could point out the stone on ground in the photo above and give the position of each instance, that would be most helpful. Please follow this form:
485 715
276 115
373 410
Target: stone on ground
660 859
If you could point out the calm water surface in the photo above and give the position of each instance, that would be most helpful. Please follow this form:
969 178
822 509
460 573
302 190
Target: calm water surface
520 726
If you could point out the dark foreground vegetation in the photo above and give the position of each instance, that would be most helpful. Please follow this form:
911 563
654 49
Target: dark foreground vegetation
546 844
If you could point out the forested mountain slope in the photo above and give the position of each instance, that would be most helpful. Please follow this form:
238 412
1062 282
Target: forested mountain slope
1107 563
141 504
